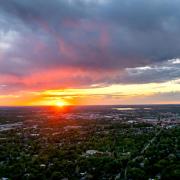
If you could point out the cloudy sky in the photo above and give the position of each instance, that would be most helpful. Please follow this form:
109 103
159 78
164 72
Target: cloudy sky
89 52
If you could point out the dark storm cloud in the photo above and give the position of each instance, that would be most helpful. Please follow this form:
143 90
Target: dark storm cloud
108 36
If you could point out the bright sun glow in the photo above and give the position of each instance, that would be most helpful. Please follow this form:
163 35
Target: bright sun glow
60 104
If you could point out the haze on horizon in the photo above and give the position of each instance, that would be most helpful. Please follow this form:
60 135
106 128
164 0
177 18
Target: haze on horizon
89 52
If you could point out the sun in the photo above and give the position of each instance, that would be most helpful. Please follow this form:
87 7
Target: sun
60 104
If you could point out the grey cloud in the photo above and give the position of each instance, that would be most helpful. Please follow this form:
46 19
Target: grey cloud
62 33
159 72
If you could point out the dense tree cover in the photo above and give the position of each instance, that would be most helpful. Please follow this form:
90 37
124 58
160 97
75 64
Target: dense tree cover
123 151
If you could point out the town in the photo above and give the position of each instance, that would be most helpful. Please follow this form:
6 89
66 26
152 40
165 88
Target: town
91 142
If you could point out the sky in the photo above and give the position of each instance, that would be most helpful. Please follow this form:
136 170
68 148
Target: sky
85 52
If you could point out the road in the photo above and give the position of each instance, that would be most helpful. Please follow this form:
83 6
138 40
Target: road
143 150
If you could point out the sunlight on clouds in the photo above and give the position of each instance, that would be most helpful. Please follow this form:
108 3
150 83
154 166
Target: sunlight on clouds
119 93
115 94
175 61
129 90
8 96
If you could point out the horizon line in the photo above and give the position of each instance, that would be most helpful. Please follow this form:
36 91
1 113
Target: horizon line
92 105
